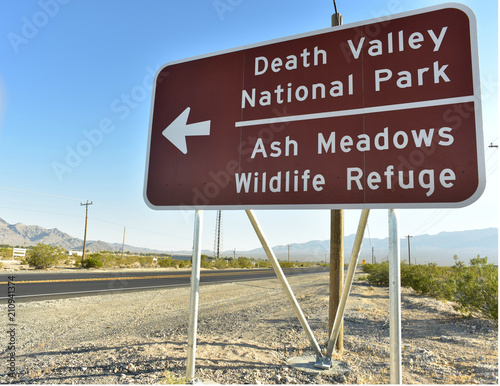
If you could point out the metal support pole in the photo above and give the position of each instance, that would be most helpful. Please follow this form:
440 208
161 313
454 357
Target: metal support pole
349 278
288 290
395 298
195 287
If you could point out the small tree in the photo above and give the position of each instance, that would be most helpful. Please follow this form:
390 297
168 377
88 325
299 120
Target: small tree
93 261
43 256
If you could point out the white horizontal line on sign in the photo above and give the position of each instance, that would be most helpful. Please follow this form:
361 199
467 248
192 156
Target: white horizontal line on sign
365 110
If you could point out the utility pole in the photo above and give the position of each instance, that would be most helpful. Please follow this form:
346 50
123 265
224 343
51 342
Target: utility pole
85 234
408 237
123 243
336 250
288 252
218 230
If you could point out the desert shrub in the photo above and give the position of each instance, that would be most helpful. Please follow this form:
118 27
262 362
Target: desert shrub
43 256
183 263
475 288
368 268
5 253
220 264
263 264
165 263
169 262
242 262
146 261
424 279
429 279
109 260
92 261
205 262
379 274
286 264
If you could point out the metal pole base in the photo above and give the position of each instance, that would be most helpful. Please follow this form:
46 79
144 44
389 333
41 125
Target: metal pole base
323 363
309 364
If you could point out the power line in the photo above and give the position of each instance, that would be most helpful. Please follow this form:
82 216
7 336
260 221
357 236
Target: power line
433 220
40 193
369 236
94 219
426 221
440 215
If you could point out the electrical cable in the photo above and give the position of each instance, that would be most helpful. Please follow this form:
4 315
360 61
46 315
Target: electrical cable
369 236
440 215
40 193
336 13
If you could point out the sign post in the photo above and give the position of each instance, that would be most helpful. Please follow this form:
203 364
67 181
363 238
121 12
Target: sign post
339 316
195 293
395 298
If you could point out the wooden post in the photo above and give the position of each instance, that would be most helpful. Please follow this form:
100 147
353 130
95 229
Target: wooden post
336 272
85 234
336 253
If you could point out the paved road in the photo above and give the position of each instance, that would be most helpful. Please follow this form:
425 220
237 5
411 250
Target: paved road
47 285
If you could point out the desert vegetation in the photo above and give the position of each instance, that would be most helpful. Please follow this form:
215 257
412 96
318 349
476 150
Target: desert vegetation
5 252
43 256
473 287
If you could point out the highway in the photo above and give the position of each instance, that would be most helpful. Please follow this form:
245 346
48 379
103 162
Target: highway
31 286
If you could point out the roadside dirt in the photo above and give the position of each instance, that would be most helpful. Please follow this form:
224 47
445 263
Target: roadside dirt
246 332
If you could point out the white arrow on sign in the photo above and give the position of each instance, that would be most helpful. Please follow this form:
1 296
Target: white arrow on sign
179 129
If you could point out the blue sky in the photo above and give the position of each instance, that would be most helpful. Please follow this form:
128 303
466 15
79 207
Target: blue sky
74 73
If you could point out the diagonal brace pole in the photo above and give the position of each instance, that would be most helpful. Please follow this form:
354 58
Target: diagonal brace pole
288 290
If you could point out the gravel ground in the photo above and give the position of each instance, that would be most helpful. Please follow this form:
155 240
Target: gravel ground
246 332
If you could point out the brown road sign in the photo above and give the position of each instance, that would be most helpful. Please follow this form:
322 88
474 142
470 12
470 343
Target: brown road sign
378 114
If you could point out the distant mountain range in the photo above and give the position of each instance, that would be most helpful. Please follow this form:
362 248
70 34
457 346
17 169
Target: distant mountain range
438 248
28 235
